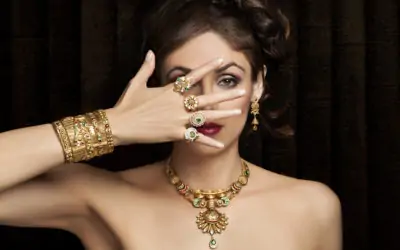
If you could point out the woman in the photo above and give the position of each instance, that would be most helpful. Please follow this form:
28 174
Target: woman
213 57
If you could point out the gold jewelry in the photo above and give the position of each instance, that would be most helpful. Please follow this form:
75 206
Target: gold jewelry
84 137
191 102
197 119
98 135
81 139
182 84
64 139
210 220
255 110
191 134
107 129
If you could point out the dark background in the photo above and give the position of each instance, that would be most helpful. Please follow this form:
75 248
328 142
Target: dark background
62 57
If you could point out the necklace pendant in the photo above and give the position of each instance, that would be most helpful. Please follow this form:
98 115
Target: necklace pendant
213 243
211 221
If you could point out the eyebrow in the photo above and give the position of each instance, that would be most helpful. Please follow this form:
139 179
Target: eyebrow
187 70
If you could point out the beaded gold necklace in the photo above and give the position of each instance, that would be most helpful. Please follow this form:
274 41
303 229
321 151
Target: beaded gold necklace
210 220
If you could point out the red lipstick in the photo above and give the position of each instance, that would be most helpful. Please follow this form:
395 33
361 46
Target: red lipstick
209 129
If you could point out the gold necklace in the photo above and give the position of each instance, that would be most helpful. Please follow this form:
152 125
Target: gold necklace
210 220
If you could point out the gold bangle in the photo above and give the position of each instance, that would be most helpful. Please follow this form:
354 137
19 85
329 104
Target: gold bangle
76 138
80 147
84 137
98 139
107 129
64 140
85 126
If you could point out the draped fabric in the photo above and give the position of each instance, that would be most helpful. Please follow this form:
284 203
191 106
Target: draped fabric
63 57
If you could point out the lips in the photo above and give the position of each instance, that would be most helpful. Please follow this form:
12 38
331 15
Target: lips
209 129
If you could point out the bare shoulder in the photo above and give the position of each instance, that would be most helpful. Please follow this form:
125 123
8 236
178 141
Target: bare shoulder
304 196
320 196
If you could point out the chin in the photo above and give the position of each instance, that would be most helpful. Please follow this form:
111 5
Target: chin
205 150
201 149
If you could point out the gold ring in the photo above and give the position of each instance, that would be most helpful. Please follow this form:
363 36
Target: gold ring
182 84
197 119
191 134
191 102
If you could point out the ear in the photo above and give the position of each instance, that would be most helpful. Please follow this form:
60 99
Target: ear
258 86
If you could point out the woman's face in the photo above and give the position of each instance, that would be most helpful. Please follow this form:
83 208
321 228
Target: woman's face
234 74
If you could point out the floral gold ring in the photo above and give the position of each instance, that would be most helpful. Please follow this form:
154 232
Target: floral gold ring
182 84
191 102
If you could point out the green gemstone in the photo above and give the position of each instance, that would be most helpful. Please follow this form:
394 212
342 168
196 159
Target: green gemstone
225 200
213 244
198 120
192 134
247 172
196 202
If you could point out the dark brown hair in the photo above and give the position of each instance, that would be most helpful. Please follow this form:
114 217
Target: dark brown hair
255 27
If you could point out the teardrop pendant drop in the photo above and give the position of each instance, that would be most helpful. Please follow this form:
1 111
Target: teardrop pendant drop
213 244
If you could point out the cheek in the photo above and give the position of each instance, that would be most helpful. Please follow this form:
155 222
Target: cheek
236 123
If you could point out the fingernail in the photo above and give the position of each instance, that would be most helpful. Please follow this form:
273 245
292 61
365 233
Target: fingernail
219 61
149 56
236 111
219 145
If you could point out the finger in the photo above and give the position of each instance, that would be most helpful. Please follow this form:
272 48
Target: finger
211 99
208 141
141 77
213 115
146 70
198 74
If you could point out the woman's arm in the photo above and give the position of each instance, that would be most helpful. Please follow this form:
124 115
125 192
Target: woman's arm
46 201
327 212
26 153
141 115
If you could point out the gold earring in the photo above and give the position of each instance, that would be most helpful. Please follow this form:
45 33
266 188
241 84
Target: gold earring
255 110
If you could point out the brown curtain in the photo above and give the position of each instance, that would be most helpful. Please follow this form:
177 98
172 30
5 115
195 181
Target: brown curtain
62 57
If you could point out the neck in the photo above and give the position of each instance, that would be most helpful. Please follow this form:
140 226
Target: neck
215 171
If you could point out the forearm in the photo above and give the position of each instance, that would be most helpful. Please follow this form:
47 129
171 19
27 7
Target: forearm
28 152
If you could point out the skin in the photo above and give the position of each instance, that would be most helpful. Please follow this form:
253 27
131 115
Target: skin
127 210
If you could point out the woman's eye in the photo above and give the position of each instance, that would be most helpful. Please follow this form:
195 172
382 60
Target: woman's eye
228 82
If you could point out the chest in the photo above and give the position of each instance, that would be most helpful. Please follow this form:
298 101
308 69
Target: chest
154 223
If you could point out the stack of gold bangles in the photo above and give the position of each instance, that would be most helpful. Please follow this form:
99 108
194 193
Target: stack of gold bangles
84 137
197 119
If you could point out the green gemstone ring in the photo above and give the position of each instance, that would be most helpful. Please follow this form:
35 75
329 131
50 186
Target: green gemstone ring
197 119
182 84
191 134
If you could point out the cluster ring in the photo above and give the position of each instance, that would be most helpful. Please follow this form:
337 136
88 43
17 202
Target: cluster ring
191 103
191 134
182 84
197 119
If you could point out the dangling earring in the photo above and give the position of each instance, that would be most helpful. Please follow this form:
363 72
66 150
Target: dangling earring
255 110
